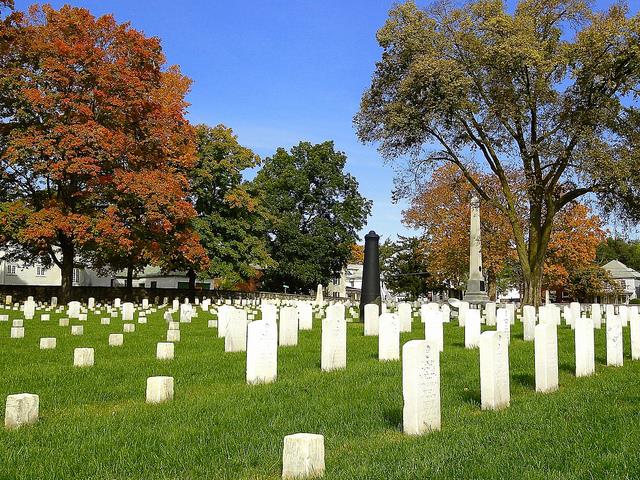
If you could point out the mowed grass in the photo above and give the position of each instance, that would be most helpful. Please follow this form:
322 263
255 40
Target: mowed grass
94 422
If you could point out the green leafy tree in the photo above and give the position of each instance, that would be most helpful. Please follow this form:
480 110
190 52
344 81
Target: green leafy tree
588 283
232 220
517 94
317 212
405 268
628 252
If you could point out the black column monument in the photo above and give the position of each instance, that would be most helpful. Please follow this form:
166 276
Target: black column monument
370 292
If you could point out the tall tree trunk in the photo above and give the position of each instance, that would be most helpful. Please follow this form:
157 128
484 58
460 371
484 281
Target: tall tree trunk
191 274
492 286
533 286
68 252
129 283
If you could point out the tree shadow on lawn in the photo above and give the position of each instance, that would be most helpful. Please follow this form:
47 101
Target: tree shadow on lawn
472 397
525 379
393 418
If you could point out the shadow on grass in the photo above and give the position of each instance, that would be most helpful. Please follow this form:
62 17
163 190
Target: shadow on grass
472 397
567 367
393 417
526 380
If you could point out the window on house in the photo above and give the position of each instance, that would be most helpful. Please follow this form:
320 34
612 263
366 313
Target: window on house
336 281
76 275
142 284
40 271
154 284
11 269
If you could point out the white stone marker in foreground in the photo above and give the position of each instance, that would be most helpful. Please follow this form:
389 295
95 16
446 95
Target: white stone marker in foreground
165 350
371 320
389 337
614 342
48 343
21 409
494 370
77 330
546 357
334 344
83 357
420 387
116 339
472 328
262 352
303 456
288 327
584 347
129 327
225 315
159 389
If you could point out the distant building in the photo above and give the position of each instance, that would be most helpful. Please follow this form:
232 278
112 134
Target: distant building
348 284
18 273
627 278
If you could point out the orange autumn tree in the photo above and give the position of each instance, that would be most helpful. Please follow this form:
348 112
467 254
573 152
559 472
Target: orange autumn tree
441 210
91 114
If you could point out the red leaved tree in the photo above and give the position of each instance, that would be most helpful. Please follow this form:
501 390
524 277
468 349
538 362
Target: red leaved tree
89 110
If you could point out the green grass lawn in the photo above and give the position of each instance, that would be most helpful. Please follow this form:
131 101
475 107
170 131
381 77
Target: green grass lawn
94 422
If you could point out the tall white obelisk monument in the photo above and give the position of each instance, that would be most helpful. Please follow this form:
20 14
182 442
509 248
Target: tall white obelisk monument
476 290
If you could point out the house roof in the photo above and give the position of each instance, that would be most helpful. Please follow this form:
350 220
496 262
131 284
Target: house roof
619 270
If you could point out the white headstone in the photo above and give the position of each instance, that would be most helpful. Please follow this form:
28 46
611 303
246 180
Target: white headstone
490 314
503 324
433 328
404 316
472 328
129 327
91 303
614 342
83 357
584 347
173 335
159 389
288 327
494 370
334 343
371 320
77 330
596 315
546 357
303 456
73 309
262 352
388 337
529 322
225 314
116 339
634 331
48 343
305 316
127 312
21 409
165 350
463 308
235 339
420 387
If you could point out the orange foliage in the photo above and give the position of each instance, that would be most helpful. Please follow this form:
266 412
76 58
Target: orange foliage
99 143
442 211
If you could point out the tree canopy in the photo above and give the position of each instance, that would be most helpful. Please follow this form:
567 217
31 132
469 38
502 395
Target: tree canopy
317 213
232 220
93 142
543 94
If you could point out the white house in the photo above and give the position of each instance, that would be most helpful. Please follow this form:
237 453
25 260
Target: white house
626 277
18 273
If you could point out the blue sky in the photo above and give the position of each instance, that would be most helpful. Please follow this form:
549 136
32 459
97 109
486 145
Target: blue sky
277 72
